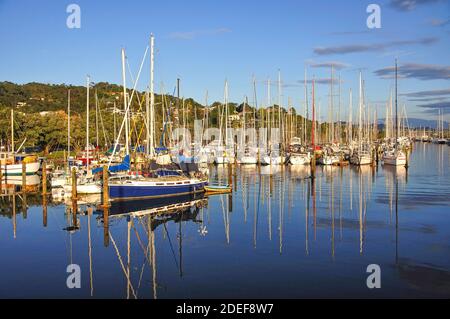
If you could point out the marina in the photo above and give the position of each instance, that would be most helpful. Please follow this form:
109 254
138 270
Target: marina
216 151
300 237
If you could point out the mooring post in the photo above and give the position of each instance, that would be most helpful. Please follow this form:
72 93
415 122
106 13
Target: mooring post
74 213
44 178
74 184
105 186
1 178
313 165
230 178
24 176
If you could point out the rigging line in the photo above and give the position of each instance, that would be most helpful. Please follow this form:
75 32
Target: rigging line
171 247
132 80
140 277
140 243
127 109
121 264
103 126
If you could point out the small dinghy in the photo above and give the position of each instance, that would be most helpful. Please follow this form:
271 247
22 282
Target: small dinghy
217 189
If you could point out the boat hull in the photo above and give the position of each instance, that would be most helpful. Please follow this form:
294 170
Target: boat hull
361 160
88 188
329 160
269 160
394 160
16 169
143 189
300 159
247 160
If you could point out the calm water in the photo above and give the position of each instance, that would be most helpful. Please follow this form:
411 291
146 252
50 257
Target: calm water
277 235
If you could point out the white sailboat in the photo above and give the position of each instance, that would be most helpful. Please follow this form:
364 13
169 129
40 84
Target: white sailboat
221 156
274 156
361 156
85 181
395 156
246 156
8 163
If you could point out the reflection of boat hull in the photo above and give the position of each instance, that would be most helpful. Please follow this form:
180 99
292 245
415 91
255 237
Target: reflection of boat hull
16 169
31 180
88 188
143 206
152 189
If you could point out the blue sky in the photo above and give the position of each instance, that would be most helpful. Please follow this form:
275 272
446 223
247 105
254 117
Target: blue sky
205 42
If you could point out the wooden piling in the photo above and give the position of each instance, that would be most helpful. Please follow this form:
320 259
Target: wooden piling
74 213
230 176
105 187
1 179
74 184
44 178
24 176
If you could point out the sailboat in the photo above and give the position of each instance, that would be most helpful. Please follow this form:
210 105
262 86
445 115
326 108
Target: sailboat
158 182
85 180
274 156
11 162
221 156
440 139
361 156
298 154
246 156
395 157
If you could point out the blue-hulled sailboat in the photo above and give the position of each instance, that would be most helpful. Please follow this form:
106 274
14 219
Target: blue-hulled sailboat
156 184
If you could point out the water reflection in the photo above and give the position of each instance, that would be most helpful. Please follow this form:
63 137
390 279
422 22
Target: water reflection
282 232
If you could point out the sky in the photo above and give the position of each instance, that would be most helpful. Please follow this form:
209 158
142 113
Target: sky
205 42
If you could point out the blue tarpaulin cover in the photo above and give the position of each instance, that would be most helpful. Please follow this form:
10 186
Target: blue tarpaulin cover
124 166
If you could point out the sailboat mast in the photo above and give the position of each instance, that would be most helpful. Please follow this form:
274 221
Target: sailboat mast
96 117
68 124
226 114
360 112
12 131
270 115
306 109
127 150
88 81
331 105
151 116
350 125
313 118
280 133
396 115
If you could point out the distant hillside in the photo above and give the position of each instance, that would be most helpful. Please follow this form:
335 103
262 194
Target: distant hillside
39 97
416 123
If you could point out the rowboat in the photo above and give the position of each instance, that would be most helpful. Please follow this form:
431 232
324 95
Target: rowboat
217 189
